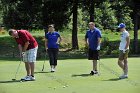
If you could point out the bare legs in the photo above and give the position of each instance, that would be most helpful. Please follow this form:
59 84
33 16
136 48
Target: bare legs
123 65
29 68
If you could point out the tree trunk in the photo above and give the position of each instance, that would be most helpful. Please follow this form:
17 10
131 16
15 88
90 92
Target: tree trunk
135 31
92 7
75 30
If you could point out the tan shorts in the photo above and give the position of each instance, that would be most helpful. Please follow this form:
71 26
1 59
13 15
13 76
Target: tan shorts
122 55
30 55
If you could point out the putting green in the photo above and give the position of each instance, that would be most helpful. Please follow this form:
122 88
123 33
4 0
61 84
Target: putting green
72 76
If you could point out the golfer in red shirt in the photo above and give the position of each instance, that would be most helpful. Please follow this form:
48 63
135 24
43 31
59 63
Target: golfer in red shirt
28 50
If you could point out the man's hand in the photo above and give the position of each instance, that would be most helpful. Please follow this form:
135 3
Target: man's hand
46 49
57 43
98 48
23 54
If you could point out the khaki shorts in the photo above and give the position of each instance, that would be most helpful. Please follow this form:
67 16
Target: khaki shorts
122 55
30 55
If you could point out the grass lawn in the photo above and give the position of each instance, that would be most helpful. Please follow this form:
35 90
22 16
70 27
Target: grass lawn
71 77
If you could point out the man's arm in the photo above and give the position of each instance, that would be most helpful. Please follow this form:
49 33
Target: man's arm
59 40
99 41
20 48
25 46
23 49
46 43
86 40
127 42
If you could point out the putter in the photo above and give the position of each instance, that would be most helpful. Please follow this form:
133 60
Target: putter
99 73
17 70
44 63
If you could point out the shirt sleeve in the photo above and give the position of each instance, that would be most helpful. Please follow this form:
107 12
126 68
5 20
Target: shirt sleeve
58 34
24 36
86 35
46 36
99 34
127 34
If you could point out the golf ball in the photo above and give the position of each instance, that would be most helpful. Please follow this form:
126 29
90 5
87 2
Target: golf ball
20 81
64 86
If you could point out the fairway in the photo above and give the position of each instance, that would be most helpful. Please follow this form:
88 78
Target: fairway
72 76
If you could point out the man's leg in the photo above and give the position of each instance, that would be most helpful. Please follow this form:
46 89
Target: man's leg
125 67
94 65
121 64
32 59
126 63
28 70
32 67
121 60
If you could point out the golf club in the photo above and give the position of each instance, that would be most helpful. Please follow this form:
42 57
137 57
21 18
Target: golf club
17 70
44 63
99 72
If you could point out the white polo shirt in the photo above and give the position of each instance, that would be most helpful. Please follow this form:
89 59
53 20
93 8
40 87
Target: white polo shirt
123 42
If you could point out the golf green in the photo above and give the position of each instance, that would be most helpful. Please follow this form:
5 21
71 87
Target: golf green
72 76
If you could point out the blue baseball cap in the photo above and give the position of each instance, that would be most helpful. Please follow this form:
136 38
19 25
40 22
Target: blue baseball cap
121 25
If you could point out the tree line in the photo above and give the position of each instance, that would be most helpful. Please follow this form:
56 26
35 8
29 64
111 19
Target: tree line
37 14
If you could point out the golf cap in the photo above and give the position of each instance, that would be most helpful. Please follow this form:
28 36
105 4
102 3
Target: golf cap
121 25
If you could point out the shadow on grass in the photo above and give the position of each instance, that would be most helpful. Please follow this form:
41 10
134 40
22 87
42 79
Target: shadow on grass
12 81
42 72
113 79
81 75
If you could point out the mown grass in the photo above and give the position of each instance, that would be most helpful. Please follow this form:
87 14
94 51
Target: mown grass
72 76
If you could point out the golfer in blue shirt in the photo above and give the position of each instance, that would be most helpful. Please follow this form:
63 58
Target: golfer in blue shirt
93 41
52 41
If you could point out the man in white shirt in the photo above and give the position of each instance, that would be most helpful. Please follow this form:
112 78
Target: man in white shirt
124 50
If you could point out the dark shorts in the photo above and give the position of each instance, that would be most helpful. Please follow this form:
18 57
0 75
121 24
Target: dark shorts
93 54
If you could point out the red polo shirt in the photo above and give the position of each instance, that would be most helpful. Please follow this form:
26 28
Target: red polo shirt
25 36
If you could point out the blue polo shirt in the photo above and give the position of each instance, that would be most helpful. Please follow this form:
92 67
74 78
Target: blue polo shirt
92 37
52 39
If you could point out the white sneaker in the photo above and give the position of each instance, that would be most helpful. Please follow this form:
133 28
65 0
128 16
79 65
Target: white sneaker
123 76
32 78
25 77
53 70
28 78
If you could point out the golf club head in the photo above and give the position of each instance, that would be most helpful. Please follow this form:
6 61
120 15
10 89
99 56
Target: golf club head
43 69
14 79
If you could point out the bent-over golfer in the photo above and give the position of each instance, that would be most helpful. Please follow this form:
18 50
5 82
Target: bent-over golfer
28 50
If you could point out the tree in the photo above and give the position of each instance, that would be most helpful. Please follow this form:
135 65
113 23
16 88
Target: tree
123 12
56 12
106 15
74 30
34 14
136 18
21 14
92 8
